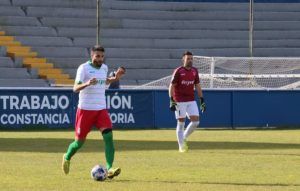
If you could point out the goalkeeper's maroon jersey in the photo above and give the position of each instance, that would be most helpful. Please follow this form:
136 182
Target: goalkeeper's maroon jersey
185 81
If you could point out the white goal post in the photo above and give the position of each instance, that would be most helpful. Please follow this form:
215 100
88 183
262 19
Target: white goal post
242 73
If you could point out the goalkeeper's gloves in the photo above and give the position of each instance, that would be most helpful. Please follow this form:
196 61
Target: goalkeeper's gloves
173 104
202 105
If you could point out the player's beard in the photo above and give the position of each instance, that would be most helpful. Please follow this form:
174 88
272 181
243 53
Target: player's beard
189 64
97 63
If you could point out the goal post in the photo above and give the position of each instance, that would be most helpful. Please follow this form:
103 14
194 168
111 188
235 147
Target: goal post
233 73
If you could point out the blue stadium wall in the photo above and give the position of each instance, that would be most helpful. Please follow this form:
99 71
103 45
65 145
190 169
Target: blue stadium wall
55 108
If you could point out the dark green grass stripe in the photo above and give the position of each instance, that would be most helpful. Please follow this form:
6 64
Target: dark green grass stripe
59 144
216 183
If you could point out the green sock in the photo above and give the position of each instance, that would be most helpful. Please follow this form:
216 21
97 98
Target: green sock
73 148
109 149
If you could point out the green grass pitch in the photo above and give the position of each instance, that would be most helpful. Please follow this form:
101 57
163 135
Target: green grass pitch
217 160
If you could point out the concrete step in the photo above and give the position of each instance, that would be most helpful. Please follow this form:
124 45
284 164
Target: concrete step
11 11
10 43
34 60
54 76
198 6
45 71
64 81
67 62
73 63
16 49
276 52
23 83
44 41
14 73
56 3
209 25
19 21
22 54
172 6
202 15
176 15
143 63
29 30
61 12
38 65
80 22
6 62
136 53
178 34
3 51
5 2
62 52
7 38
163 43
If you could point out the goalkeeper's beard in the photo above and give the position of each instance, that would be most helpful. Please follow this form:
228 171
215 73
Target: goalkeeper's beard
189 64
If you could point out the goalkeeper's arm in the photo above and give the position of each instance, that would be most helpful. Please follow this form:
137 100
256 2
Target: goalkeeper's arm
200 95
172 101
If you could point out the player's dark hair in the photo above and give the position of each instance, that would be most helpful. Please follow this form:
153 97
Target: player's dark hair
187 53
97 48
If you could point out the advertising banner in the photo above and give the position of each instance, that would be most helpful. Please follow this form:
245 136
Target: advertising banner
56 108
36 108
131 108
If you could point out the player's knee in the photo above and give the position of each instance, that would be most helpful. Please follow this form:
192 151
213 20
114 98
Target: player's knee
195 124
180 126
181 120
105 131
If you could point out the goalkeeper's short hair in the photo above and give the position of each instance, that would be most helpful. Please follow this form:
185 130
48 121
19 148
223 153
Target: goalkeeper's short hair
187 53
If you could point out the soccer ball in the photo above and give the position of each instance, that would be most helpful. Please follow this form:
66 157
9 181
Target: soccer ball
99 173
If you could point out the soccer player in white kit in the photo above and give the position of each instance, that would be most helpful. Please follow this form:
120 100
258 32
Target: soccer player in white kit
90 82
182 99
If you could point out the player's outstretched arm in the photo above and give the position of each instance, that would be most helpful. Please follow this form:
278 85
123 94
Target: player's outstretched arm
120 72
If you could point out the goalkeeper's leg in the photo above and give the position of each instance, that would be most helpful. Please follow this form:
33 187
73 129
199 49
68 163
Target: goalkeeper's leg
180 115
190 129
179 133
193 113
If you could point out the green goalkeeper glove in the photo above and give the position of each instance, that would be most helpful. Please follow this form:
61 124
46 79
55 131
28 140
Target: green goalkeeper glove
202 105
173 104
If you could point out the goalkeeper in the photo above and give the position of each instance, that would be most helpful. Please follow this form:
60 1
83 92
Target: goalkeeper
182 99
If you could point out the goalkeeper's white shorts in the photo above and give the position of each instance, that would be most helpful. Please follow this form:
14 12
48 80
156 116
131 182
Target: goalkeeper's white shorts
184 109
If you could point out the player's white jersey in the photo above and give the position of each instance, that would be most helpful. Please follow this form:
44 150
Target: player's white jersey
92 97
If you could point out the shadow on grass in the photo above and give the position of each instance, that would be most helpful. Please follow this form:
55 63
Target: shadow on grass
217 183
60 145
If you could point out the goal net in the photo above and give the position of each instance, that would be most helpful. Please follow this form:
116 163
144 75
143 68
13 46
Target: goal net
242 73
